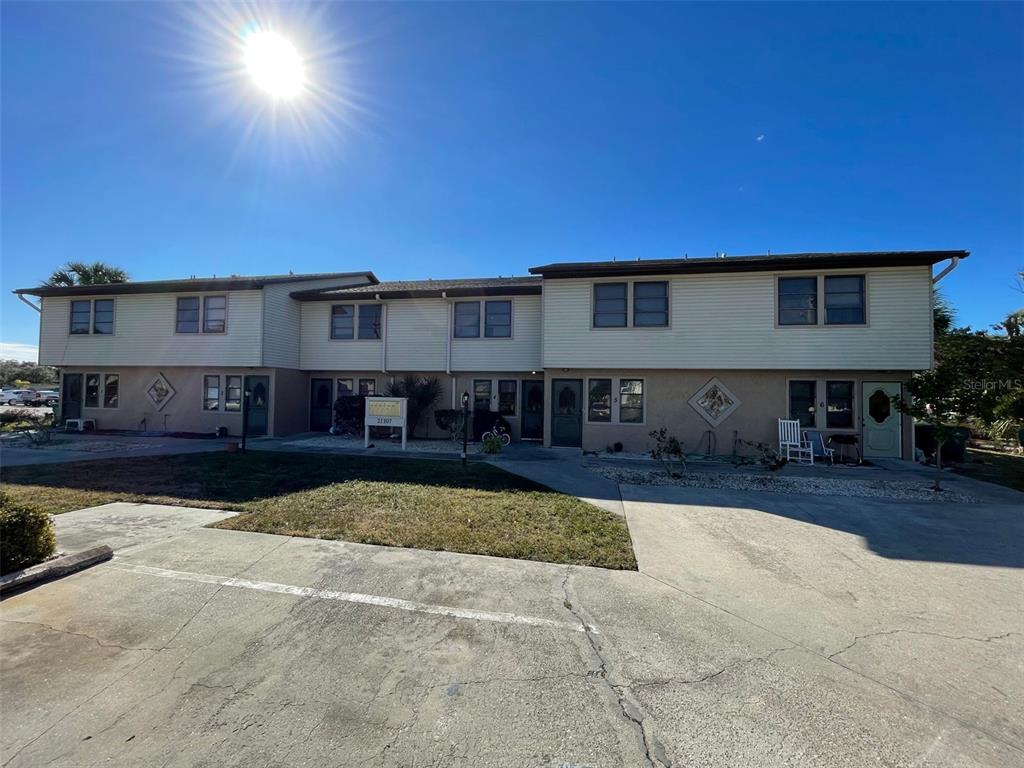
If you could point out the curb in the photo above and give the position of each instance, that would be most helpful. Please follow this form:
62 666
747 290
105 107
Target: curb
54 569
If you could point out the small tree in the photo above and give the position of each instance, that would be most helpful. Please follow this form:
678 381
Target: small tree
422 393
668 450
80 273
933 397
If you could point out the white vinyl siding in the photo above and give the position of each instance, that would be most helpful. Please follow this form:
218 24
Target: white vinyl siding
521 352
728 321
318 351
144 334
417 334
283 330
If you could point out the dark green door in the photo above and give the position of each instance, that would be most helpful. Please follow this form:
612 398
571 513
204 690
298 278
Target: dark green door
71 397
567 412
320 410
532 427
258 388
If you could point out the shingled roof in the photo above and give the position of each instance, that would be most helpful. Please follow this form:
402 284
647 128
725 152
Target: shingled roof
761 263
408 289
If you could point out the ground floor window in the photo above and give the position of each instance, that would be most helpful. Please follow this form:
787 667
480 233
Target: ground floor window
839 404
631 401
344 387
211 393
101 390
507 391
481 394
92 390
111 387
367 387
232 393
802 402
599 400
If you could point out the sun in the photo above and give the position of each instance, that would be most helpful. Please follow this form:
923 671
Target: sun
274 64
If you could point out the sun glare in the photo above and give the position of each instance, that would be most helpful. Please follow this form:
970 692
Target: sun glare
274 64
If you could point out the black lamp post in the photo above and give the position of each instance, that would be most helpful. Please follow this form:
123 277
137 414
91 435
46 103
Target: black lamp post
245 417
465 425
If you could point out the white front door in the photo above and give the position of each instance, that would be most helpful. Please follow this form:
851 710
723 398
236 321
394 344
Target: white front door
883 435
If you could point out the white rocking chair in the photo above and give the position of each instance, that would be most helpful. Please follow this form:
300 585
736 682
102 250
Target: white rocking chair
792 443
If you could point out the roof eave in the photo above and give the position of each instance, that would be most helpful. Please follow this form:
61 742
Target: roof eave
421 293
184 286
786 262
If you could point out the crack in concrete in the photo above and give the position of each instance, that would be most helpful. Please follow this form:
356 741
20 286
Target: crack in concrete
926 633
710 675
98 642
150 653
652 751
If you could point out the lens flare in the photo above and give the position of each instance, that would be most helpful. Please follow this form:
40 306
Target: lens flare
274 64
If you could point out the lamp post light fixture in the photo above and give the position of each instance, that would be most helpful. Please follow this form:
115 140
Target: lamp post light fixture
465 426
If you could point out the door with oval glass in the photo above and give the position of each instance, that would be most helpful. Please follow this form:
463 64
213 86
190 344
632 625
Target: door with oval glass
258 388
567 412
883 431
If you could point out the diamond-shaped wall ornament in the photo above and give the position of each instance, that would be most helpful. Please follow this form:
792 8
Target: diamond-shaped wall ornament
160 391
714 402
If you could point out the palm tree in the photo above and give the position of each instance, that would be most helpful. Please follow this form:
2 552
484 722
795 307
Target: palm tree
80 273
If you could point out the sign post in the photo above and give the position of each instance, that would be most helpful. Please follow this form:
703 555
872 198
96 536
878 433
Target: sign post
385 412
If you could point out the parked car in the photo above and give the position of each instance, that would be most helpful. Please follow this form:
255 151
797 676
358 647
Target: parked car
18 396
48 397
30 397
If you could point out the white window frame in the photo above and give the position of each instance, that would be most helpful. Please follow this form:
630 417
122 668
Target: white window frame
820 287
92 316
481 327
616 415
101 390
821 403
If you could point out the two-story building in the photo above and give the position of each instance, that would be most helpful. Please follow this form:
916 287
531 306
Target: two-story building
579 354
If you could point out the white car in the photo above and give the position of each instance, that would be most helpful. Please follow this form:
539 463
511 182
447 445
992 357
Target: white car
17 396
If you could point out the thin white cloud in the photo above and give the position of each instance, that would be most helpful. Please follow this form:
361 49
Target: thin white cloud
12 350
760 137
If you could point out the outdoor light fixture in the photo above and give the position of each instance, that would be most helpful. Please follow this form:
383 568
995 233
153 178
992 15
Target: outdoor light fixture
465 426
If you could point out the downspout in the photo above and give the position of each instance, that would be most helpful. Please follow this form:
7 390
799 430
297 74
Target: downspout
383 335
448 346
953 261
23 300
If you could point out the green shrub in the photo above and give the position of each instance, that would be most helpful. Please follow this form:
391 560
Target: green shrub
26 535
492 444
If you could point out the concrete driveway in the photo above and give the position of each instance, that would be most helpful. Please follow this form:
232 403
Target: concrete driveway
760 631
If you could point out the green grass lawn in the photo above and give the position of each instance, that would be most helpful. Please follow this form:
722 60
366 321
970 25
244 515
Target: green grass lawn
1002 468
426 504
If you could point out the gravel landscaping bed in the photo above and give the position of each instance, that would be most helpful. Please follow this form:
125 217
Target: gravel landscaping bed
896 490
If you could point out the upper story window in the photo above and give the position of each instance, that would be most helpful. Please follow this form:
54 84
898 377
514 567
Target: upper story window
187 318
798 301
343 322
92 316
215 314
610 305
498 319
844 300
467 320
369 321
650 304
81 314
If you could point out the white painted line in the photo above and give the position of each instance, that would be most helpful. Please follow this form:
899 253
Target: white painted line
349 597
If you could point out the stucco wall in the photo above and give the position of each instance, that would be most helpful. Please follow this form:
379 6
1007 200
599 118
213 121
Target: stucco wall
181 413
764 397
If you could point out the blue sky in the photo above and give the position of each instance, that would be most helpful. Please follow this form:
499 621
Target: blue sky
464 140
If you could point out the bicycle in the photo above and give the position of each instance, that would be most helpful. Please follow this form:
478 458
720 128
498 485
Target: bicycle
497 431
